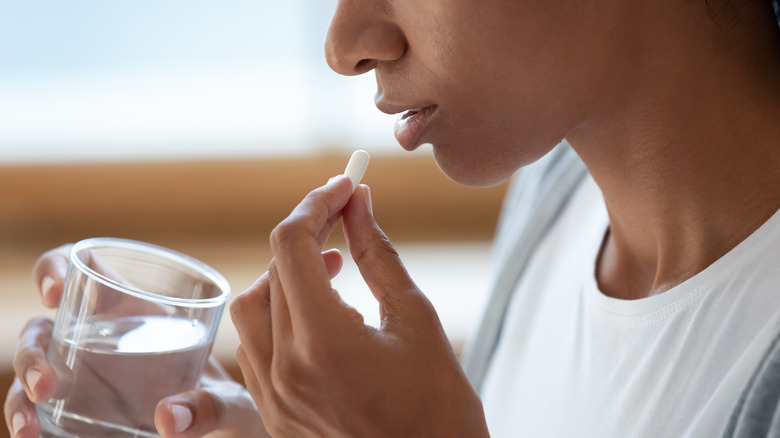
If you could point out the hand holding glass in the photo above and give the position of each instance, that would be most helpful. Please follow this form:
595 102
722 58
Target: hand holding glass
136 324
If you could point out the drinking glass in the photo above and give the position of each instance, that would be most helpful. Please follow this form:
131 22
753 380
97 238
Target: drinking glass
135 324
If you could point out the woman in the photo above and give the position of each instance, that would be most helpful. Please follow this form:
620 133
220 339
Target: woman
635 300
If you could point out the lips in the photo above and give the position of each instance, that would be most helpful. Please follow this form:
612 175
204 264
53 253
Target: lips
410 126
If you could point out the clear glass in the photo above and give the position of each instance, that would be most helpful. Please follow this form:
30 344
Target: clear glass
135 324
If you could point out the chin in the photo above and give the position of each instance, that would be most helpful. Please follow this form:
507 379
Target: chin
488 164
474 171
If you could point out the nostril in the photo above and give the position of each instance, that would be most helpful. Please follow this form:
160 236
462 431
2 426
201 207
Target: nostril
363 65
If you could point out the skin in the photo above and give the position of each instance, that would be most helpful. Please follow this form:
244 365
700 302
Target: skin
311 364
671 105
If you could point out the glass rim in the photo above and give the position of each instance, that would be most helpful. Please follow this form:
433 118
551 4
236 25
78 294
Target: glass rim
158 251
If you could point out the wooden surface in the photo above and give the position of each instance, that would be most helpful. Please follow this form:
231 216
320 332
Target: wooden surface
47 204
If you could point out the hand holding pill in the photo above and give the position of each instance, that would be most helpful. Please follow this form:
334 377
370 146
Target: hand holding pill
311 364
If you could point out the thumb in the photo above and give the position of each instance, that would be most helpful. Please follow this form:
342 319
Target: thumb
380 266
174 416
219 407
191 414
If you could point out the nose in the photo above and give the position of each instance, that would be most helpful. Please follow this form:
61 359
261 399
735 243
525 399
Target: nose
362 34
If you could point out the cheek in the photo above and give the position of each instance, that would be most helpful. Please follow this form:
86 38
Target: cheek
506 88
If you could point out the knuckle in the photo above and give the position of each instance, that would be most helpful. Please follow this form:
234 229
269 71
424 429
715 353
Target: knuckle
26 357
250 303
30 357
37 327
381 250
33 343
305 221
52 256
383 242
283 233
237 308
241 309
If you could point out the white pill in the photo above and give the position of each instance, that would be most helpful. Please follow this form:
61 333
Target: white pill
356 167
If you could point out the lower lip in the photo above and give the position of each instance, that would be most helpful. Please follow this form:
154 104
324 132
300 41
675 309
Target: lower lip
410 127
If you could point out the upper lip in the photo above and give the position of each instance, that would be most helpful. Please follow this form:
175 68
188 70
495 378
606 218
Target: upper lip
395 108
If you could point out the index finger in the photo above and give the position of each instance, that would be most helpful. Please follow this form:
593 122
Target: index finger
297 244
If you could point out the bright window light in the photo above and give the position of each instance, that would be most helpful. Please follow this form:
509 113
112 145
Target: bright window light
170 79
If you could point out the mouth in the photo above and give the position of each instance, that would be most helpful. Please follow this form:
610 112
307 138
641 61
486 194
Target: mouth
411 124
410 113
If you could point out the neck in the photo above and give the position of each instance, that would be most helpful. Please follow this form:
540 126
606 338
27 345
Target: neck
687 171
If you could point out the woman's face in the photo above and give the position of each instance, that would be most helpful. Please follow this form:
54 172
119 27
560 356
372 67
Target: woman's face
492 84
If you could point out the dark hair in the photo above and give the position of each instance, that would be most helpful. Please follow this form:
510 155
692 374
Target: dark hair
776 7
723 11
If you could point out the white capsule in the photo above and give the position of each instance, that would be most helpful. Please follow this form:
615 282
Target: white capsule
356 167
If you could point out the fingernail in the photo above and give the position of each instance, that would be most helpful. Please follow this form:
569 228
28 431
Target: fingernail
18 422
46 284
368 201
32 376
182 418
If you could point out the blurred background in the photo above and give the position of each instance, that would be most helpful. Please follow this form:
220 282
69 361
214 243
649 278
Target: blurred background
141 79
198 126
